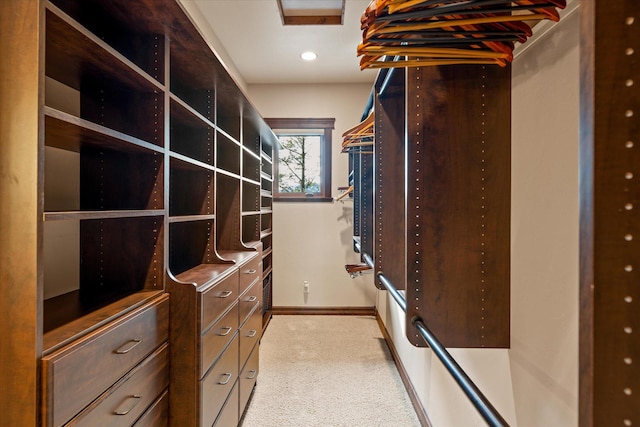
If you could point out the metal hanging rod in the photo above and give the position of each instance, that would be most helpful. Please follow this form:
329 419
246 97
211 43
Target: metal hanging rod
402 302
486 410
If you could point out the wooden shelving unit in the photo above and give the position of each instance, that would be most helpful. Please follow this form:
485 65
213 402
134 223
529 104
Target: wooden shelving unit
448 248
144 199
266 224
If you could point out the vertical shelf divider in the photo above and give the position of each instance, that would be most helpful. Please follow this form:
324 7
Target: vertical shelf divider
609 263
389 239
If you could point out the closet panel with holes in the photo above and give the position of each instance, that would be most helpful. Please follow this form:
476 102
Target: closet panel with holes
389 192
610 226
458 204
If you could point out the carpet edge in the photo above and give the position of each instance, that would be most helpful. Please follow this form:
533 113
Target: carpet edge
408 385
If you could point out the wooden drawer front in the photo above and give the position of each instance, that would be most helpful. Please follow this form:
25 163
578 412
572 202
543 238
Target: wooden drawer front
248 376
216 299
250 334
217 338
229 415
249 300
158 413
250 271
78 373
130 397
215 387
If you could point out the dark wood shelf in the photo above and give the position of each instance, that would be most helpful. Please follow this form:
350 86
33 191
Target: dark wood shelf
227 154
267 252
250 181
206 274
267 271
72 133
66 38
184 113
185 162
251 153
190 218
240 257
252 244
114 92
191 191
191 135
86 215
266 157
228 174
265 233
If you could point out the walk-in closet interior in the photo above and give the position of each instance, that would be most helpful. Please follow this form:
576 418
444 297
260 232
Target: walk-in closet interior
483 204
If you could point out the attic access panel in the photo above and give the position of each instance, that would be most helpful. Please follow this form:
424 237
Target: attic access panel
311 12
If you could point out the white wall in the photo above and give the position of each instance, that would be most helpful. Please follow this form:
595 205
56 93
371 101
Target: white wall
312 241
544 229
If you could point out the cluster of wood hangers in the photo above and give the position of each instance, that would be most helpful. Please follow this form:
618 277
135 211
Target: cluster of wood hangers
443 32
359 136
358 139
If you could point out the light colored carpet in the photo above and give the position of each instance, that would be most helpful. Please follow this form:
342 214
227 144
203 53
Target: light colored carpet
327 371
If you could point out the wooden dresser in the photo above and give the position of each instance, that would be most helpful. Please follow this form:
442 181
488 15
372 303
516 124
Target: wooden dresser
113 376
215 329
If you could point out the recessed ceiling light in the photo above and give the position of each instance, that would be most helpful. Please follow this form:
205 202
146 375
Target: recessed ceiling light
308 56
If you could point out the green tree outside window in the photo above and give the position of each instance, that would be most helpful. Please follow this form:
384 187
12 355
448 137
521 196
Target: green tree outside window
299 164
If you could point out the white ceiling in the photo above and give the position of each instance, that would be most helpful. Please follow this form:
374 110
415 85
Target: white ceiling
265 51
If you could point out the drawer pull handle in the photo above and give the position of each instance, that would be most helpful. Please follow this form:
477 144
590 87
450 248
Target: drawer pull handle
225 331
226 381
225 294
252 333
130 345
252 374
252 298
252 271
130 408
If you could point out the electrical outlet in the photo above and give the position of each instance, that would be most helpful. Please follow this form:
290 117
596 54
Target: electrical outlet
305 284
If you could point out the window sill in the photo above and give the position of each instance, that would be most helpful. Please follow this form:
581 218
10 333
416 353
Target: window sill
316 199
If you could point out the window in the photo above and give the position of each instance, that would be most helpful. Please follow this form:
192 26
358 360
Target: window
302 161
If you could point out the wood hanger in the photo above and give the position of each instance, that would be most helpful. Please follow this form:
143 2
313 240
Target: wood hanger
364 130
345 194
454 9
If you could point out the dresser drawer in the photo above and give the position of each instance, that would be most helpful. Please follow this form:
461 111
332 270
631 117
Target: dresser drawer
250 334
248 376
217 337
250 271
129 398
216 299
217 384
157 414
249 300
229 415
78 373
